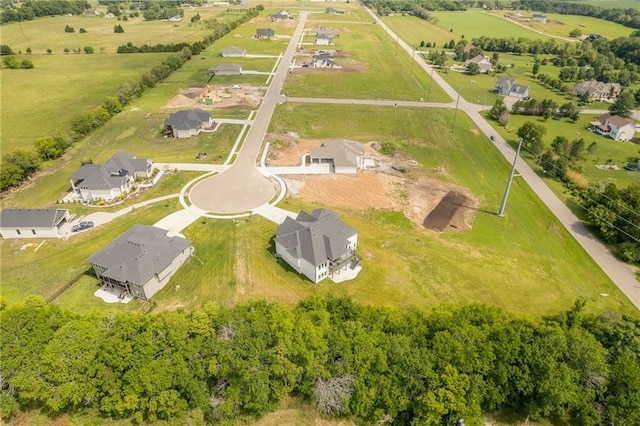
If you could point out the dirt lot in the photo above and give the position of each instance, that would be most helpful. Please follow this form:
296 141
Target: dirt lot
422 199
213 96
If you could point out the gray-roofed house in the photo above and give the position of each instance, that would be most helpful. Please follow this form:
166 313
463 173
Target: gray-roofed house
317 245
140 261
519 91
265 33
187 123
345 156
331 11
323 61
33 223
226 69
616 127
597 90
233 52
539 18
279 17
109 180
503 85
484 64
324 36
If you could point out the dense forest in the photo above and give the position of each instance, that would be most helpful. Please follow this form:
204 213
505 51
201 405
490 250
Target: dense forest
349 360
30 9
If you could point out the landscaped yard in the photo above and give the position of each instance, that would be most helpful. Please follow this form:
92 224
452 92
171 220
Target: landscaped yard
372 68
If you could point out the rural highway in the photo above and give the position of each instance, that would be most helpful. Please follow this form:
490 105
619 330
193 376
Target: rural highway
243 187
620 273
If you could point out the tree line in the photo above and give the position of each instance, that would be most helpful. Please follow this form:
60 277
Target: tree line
31 9
629 17
349 360
19 164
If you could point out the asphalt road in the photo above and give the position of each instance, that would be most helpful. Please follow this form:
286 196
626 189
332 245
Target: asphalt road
242 187
620 273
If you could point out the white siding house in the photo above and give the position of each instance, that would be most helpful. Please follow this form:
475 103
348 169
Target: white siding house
33 223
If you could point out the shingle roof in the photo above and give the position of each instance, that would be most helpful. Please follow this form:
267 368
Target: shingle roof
188 119
111 174
232 50
502 80
344 153
519 89
315 237
619 121
265 32
139 253
32 218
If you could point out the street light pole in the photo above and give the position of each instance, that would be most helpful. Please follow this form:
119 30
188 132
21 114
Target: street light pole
453 124
511 175
413 54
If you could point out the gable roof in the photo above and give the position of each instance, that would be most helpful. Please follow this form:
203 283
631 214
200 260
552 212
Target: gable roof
619 121
476 60
315 237
344 153
277 16
187 119
265 32
519 89
112 174
32 218
505 80
232 50
138 254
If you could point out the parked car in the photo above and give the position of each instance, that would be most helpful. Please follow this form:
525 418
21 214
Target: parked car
82 226
493 138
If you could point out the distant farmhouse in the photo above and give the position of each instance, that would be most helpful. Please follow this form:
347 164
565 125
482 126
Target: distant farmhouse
33 223
509 87
263 33
110 180
184 124
226 69
617 128
232 52
484 64
317 245
597 90
345 156
539 18
140 261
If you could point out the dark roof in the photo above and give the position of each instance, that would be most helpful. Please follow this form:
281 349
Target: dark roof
503 79
138 254
110 174
31 218
265 32
324 32
315 237
232 50
277 16
619 121
187 119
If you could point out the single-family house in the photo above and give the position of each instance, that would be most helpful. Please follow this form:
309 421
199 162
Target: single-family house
262 33
175 18
323 61
233 52
92 12
324 39
317 245
226 69
285 12
484 64
33 223
503 85
519 91
597 90
279 17
184 124
109 180
345 156
539 18
331 11
616 127
141 261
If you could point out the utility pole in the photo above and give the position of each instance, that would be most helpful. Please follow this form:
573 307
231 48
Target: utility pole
453 124
413 55
511 175
430 84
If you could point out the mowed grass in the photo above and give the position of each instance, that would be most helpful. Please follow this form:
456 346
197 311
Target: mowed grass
562 25
476 23
39 101
48 33
525 263
58 263
371 69
607 149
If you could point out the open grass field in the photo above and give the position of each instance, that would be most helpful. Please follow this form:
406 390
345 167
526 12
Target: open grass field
621 4
475 23
371 70
562 25
607 148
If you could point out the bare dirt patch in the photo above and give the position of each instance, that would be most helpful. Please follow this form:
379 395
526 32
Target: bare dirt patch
214 96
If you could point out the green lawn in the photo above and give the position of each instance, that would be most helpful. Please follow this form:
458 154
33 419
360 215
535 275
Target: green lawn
562 25
372 69
607 148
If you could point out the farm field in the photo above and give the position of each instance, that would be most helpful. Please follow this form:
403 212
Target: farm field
608 150
562 25
370 70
